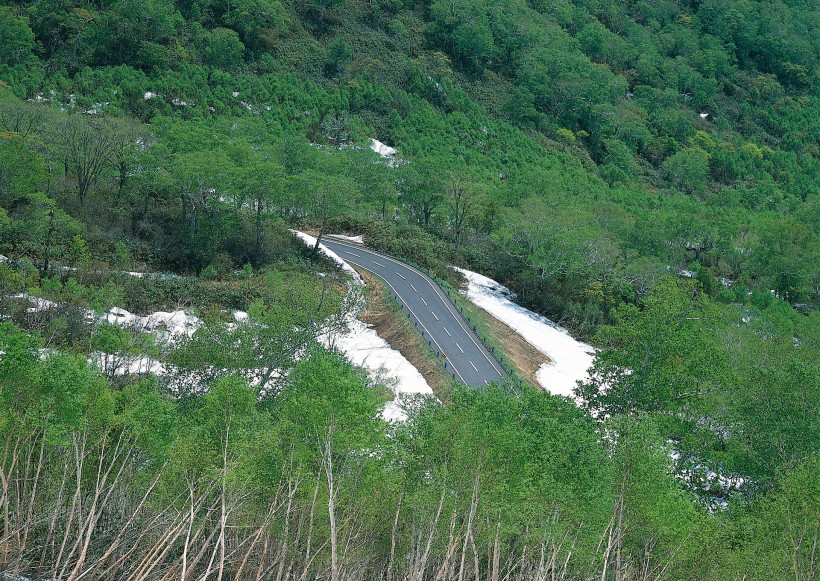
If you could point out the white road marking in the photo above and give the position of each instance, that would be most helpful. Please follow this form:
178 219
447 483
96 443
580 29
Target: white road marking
379 264
414 288
459 348
434 315
425 302
401 276
474 367
486 382
353 253
446 331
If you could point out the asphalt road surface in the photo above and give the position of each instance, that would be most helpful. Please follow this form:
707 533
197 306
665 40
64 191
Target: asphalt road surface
431 310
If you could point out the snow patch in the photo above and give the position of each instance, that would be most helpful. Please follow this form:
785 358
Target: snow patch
311 241
569 358
116 365
176 323
39 304
383 150
363 347
356 239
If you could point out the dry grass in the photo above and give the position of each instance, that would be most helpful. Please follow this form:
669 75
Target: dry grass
393 326
525 358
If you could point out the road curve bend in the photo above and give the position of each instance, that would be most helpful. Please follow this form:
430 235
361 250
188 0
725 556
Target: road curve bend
431 310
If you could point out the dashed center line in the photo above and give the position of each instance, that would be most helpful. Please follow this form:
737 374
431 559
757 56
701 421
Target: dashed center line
425 302
435 316
403 278
379 264
414 288
353 253
446 331
459 348
474 367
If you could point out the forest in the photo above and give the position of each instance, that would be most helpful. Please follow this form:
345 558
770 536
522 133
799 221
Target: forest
646 174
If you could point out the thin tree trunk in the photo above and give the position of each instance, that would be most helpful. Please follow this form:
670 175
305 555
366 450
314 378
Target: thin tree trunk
308 558
418 574
393 532
223 519
473 507
331 508
259 229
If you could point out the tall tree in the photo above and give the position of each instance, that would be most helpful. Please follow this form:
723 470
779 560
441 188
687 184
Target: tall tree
421 189
463 202
87 149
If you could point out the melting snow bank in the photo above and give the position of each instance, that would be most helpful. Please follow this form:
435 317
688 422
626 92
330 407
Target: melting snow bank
383 150
355 239
363 347
569 359
311 241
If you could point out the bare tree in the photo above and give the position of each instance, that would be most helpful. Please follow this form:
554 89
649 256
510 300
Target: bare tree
127 138
86 147
336 128
463 201
22 118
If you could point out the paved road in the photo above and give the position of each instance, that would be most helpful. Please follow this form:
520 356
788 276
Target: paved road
431 310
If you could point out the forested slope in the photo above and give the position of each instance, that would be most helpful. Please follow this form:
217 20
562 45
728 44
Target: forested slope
645 173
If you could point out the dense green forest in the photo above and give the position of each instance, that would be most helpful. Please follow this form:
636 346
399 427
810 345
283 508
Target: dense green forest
647 174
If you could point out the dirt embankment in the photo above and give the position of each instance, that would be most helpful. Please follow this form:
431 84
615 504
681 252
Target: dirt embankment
525 358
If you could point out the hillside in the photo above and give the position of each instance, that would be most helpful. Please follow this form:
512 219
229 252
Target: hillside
646 174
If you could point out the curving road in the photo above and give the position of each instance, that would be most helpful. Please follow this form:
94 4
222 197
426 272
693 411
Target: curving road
427 305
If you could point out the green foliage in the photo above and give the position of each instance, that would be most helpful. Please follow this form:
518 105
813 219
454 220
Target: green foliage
688 170
224 49
16 38
609 146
